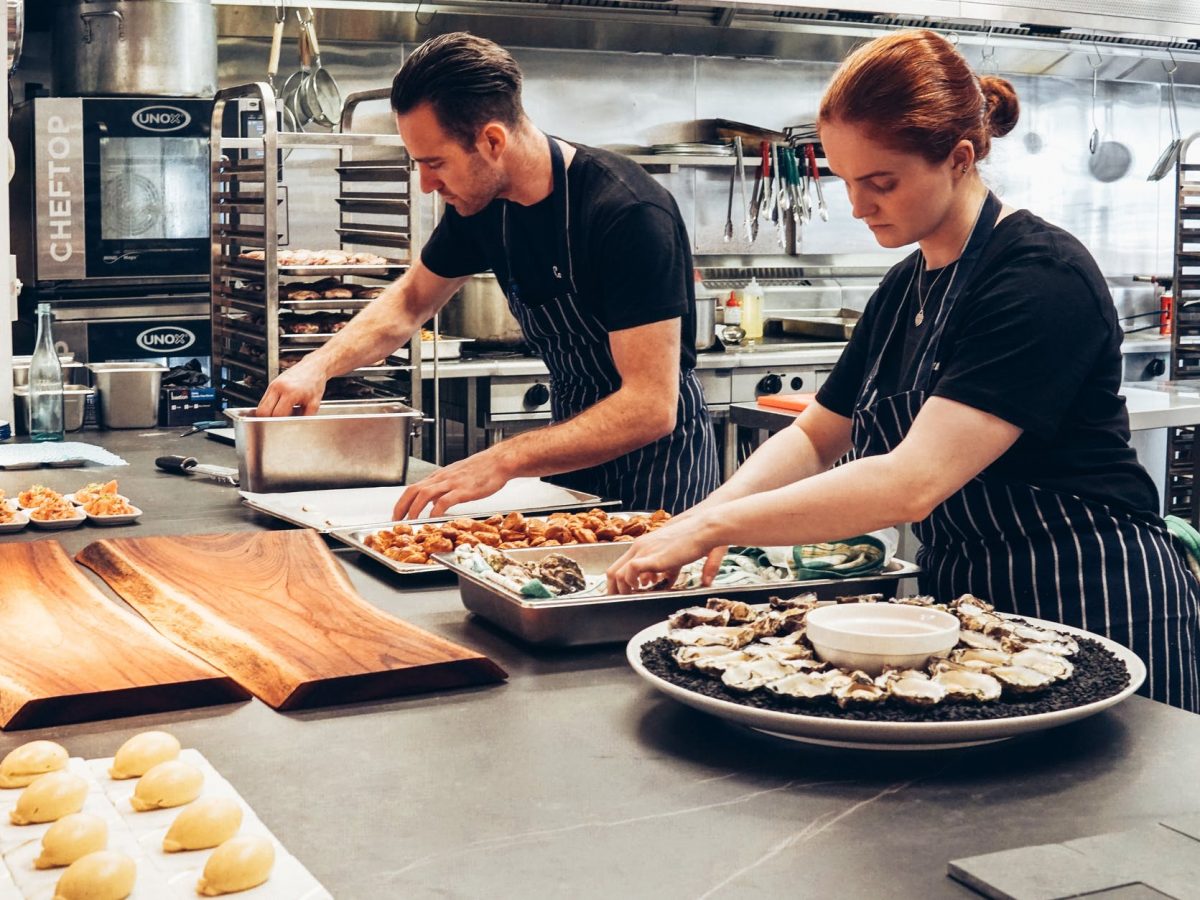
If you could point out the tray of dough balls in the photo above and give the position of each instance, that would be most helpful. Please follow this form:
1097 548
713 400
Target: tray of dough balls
153 822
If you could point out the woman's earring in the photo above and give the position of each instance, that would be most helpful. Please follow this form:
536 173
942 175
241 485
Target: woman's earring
964 170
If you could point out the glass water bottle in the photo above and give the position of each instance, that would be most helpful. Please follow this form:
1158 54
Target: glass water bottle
45 383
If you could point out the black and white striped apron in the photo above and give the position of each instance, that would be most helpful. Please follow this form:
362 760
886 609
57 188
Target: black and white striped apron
1038 552
674 472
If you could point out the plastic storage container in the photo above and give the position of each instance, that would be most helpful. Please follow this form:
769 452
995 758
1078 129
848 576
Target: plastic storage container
128 393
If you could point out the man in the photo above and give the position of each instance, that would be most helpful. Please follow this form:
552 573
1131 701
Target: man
595 260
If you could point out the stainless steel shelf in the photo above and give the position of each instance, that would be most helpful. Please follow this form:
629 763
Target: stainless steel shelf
244 207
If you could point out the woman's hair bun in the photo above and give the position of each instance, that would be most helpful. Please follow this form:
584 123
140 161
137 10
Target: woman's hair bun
1003 108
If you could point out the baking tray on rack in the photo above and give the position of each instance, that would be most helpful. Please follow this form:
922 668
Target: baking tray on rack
607 618
343 509
357 537
391 267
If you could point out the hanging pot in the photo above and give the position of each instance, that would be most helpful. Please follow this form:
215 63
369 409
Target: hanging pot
154 47
480 312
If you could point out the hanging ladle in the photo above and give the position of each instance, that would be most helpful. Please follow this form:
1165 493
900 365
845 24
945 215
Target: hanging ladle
1094 140
1166 162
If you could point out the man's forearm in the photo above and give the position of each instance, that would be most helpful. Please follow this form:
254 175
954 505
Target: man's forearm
610 428
786 457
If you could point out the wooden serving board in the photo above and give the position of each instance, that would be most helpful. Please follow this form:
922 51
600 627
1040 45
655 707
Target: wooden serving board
70 654
276 612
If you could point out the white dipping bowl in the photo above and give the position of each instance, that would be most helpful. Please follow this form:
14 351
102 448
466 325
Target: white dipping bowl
877 636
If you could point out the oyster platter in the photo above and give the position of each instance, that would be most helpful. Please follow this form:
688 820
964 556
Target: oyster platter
755 664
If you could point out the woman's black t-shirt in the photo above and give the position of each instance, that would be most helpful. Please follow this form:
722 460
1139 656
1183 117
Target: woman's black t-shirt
1033 339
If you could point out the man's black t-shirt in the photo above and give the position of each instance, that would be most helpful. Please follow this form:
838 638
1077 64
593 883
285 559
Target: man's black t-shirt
629 249
1033 339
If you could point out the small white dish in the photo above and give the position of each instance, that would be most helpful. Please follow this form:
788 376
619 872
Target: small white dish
23 506
122 519
19 520
71 498
60 524
876 636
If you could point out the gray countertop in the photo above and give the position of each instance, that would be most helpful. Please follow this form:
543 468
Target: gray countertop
1151 404
575 779
789 353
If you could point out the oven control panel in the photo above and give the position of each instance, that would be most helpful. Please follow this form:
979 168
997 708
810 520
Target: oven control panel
747 385
518 398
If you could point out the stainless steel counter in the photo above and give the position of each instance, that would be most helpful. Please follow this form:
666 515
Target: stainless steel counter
574 779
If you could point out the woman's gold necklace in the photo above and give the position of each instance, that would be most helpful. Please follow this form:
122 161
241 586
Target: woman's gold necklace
920 316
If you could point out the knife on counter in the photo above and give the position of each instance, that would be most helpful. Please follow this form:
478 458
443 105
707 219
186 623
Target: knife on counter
188 465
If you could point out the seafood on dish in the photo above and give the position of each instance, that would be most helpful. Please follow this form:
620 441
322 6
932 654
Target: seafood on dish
90 492
36 496
752 647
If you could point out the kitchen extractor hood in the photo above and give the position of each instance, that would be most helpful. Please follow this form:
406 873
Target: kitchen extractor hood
1134 41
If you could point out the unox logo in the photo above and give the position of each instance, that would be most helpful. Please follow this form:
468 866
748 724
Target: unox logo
164 338
161 118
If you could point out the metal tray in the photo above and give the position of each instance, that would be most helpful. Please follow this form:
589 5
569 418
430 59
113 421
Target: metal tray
446 347
356 537
391 267
327 511
592 619
838 326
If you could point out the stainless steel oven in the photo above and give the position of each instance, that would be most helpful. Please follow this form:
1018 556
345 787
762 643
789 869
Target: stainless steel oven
111 191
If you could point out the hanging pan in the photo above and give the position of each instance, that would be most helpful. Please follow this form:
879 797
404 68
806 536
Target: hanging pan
1166 162
320 97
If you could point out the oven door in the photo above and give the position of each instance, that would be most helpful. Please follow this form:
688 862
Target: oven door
146 163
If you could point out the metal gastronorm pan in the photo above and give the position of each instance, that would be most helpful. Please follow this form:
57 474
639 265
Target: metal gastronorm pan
563 622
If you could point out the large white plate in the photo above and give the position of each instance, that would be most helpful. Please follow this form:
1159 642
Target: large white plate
887 735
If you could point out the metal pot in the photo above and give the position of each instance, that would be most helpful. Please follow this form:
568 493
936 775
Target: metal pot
155 47
480 311
706 322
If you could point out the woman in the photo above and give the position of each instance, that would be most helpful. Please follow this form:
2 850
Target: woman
978 393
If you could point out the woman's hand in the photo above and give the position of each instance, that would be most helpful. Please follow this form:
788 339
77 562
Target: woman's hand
658 556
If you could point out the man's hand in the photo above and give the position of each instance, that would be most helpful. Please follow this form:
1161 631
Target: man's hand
301 385
469 479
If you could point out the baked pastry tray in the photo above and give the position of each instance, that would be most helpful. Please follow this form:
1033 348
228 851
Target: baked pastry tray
357 537
607 618
347 509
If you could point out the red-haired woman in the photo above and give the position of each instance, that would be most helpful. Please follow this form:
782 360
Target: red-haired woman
979 392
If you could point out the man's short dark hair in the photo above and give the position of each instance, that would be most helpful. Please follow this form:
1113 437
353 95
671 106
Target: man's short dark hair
468 80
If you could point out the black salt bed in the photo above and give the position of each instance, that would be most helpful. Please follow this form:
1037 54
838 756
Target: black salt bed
1098 674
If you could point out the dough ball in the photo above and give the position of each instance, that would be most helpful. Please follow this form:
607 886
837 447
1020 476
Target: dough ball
49 798
170 783
103 875
71 837
206 823
142 752
237 865
30 760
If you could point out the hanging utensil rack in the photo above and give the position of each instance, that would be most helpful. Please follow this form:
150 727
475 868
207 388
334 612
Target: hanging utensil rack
250 306
1183 499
